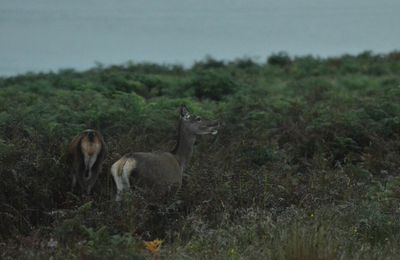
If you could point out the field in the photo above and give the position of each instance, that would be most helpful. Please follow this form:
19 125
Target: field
305 165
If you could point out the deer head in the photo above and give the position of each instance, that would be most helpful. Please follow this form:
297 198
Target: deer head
195 125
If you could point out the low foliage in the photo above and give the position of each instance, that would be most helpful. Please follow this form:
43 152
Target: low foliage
305 165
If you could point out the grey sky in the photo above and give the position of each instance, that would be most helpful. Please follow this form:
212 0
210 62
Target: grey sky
52 34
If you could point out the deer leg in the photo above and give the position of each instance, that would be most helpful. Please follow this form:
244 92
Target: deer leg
90 160
127 170
73 182
92 180
118 180
125 177
89 186
86 163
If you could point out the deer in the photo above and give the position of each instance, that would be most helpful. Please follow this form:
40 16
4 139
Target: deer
85 156
162 171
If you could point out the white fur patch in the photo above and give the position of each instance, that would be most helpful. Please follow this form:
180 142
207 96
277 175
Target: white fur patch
129 166
89 162
121 170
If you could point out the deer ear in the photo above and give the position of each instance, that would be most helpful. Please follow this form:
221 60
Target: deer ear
184 112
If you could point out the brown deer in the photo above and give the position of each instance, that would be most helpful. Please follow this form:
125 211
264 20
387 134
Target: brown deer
85 156
162 171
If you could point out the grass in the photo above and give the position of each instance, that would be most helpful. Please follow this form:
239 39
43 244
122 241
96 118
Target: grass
305 165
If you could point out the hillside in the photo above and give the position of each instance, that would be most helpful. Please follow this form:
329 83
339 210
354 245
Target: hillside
305 165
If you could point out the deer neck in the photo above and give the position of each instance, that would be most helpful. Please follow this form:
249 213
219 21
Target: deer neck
184 147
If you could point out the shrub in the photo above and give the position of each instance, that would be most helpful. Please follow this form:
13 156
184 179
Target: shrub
281 59
212 86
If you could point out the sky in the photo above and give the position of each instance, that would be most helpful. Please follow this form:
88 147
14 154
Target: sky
44 35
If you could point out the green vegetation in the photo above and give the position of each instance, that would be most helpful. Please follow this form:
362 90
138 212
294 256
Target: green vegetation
305 166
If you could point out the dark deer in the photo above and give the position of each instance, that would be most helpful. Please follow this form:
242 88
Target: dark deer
85 156
162 171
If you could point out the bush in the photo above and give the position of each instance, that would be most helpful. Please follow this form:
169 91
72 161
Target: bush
212 86
281 59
